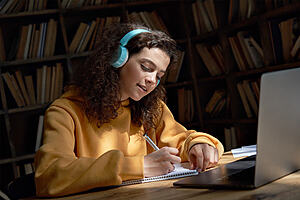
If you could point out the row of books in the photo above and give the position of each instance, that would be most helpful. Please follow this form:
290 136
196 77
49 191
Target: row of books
285 37
212 57
150 19
33 41
185 105
247 52
15 6
35 5
24 169
39 132
271 4
240 10
249 94
80 3
230 134
217 103
49 85
173 73
39 40
11 6
205 17
2 47
3 195
88 33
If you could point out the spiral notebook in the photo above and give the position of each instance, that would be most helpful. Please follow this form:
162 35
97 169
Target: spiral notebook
178 172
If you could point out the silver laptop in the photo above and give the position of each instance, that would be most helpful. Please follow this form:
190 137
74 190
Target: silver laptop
278 149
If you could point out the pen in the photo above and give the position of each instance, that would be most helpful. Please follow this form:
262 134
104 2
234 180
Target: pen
151 142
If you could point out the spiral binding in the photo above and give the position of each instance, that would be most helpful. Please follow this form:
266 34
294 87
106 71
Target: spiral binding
179 172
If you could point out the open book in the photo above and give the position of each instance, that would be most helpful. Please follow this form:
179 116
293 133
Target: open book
178 172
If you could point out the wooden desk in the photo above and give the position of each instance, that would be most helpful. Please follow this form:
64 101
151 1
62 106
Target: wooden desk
285 188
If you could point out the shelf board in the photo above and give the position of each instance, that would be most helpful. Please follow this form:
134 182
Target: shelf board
33 60
211 78
116 6
226 29
246 121
92 9
282 11
245 23
205 36
229 121
16 159
29 14
181 40
178 84
80 55
218 121
267 69
24 109
150 2
251 72
191 124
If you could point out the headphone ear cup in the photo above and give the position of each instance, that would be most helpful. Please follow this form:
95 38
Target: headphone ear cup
121 57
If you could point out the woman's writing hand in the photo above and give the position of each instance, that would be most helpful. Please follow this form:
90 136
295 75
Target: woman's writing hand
160 162
203 156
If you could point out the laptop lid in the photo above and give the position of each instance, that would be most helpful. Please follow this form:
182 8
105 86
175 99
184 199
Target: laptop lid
278 151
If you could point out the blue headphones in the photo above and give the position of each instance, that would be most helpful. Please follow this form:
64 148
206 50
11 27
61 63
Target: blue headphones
122 54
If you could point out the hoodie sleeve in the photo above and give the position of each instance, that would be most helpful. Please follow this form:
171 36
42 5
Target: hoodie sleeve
59 171
170 133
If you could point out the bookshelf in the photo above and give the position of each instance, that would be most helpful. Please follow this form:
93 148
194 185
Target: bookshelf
37 37
19 124
274 57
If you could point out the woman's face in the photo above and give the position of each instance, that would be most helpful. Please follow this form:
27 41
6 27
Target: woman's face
140 75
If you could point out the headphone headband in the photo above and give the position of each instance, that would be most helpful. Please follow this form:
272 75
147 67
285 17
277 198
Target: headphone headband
130 35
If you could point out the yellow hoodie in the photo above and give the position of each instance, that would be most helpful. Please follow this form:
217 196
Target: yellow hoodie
77 156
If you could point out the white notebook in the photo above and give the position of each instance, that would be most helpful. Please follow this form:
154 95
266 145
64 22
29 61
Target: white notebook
178 172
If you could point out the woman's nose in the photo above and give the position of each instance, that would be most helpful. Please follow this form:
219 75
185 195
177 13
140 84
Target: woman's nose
151 78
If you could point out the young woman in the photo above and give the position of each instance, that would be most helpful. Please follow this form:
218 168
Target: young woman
93 134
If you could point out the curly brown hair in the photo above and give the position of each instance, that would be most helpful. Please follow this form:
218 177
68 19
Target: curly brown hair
98 81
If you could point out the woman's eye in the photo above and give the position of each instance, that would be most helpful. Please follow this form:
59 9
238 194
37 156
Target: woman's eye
145 68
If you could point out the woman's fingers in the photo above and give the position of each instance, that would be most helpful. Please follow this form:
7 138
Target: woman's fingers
160 162
203 156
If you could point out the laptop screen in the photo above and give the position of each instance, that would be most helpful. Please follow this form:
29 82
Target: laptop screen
278 151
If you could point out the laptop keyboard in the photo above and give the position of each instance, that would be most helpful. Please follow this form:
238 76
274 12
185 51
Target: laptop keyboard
243 169
238 174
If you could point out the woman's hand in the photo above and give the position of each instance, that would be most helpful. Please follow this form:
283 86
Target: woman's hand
203 156
160 162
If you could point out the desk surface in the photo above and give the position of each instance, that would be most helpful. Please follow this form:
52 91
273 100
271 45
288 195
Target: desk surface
284 188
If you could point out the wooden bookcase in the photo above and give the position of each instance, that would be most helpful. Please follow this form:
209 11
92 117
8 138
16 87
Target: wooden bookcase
233 113
18 125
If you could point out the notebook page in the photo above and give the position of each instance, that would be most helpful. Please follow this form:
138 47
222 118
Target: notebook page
178 172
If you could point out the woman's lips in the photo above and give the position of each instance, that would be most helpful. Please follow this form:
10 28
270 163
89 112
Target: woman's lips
144 88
